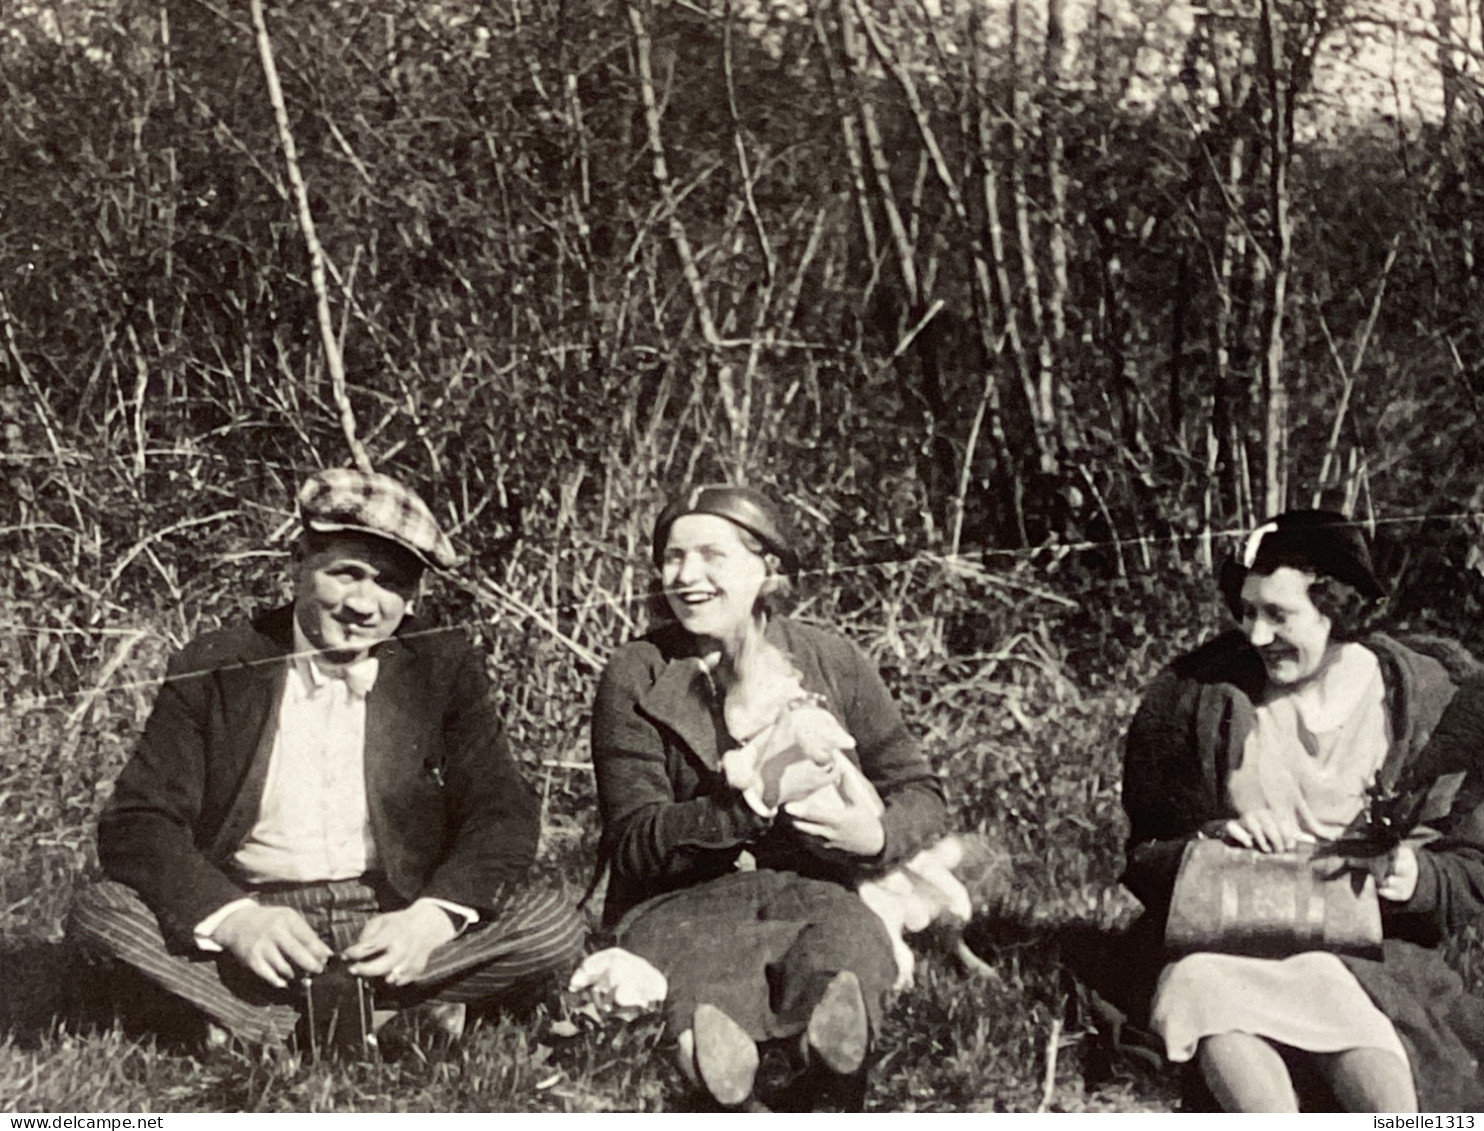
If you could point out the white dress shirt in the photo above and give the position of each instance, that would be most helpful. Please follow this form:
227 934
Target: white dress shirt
314 823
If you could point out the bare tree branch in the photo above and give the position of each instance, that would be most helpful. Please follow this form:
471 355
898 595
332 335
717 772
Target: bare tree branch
333 359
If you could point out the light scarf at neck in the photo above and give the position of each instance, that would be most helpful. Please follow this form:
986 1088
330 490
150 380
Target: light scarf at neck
359 675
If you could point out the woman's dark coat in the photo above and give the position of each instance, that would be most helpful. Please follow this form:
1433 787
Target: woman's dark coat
670 820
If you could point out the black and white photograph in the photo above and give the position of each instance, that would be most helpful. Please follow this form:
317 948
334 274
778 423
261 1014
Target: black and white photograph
741 556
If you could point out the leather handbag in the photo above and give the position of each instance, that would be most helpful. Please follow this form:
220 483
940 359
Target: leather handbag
1233 900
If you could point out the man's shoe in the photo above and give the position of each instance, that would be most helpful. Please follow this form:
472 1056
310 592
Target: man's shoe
214 1037
839 1032
448 1017
726 1057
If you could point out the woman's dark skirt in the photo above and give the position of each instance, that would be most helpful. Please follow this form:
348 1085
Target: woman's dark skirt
761 947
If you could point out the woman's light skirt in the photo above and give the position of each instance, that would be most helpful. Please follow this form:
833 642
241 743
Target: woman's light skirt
1309 1001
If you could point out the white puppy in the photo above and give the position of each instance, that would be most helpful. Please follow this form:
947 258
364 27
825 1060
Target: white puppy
793 749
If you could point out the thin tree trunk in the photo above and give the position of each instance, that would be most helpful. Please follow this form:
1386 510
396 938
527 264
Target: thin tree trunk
1224 409
1275 392
995 233
1043 398
1056 180
1447 64
328 340
876 152
850 134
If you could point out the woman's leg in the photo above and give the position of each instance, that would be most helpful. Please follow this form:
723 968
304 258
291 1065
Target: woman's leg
716 1052
1246 1073
841 933
1369 1079
713 947
839 1030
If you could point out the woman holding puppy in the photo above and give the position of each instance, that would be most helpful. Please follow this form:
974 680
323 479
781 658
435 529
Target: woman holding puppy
733 876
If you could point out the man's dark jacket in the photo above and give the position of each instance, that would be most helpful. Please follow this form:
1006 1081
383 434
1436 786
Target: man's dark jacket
451 816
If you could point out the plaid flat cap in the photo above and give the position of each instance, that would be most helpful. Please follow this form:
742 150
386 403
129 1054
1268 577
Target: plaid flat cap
342 498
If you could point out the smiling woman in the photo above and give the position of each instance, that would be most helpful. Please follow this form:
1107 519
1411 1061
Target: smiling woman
1272 738
743 898
1290 634
713 572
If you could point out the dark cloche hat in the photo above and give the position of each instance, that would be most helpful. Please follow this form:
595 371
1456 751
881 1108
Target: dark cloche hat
1326 543
750 509
343 498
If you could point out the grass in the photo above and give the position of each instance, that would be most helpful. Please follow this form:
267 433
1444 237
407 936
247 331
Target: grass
951 1044
1028 747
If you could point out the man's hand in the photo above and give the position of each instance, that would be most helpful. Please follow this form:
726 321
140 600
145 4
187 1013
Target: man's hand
1396 873
275 943
1264 829
854 828
396 945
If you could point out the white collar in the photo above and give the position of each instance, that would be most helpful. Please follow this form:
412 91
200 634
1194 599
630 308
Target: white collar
318 670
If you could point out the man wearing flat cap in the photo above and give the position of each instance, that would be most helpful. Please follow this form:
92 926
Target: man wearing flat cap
328 784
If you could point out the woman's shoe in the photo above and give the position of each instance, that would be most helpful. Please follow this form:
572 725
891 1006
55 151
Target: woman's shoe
839 1032
726 1057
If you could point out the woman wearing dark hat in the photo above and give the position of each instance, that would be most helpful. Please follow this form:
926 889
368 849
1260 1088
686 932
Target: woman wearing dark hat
1274 736
744 896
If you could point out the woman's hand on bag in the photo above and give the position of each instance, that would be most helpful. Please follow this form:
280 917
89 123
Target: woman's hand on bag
1263 829
1396 873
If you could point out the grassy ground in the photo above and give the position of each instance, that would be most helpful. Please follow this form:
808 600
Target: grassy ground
951 1044
1028 743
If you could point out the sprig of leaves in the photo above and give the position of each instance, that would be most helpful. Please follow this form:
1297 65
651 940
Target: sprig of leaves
1391 815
